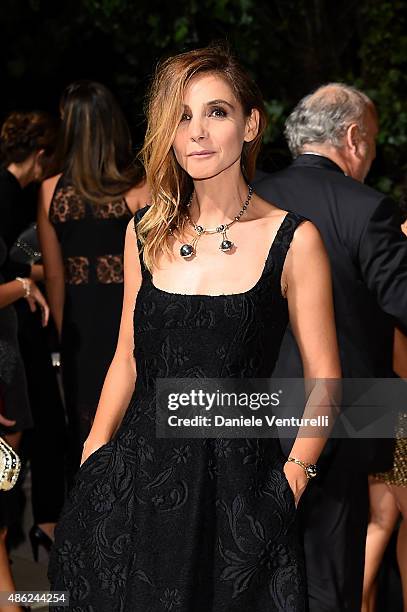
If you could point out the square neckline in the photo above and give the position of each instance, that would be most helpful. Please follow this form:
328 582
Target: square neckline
227 295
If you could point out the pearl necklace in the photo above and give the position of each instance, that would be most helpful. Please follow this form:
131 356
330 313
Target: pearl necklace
188 250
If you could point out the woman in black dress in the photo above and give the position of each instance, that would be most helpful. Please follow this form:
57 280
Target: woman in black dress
15 412
28 140
199 525
82 219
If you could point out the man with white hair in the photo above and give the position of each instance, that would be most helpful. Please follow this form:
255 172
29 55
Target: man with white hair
331 134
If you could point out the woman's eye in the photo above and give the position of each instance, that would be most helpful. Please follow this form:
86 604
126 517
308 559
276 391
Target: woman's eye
218 112
185 117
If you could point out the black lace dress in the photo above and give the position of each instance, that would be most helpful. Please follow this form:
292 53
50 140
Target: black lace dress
187 525
92 241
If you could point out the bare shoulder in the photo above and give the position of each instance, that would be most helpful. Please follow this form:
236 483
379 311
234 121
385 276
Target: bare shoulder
50 183
307 257
138 196
130 243
267 210
131 253
307 238
47 189
131 234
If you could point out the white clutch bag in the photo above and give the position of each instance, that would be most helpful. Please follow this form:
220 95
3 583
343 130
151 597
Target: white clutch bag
10 465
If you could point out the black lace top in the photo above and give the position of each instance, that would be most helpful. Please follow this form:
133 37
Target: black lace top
91 236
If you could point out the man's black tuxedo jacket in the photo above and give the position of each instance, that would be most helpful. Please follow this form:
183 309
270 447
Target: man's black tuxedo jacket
368 255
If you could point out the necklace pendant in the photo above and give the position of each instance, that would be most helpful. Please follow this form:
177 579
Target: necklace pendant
186 251
226 245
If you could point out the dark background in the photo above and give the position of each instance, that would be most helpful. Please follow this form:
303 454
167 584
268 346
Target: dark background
290 47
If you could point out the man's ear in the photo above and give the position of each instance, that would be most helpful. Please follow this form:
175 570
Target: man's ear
252 125
353 138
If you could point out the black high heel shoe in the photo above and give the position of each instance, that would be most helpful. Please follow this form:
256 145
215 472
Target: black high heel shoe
39 537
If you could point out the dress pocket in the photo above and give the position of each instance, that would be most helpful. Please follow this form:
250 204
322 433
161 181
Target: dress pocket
94 455
289 489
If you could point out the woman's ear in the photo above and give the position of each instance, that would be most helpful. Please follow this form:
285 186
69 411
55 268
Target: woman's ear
39 155
252 125
38 168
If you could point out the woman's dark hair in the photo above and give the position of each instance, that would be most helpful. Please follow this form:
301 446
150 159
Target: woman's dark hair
26 132
95 145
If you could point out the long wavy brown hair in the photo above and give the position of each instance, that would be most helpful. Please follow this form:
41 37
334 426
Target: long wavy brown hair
95 143
170 185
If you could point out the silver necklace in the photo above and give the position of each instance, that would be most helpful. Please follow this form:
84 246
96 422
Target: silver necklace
188 250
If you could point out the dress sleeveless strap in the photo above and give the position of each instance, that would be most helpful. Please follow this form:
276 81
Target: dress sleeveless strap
137 218
58 185
282 241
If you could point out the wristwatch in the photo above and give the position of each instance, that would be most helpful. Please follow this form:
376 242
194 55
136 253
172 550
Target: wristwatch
310 469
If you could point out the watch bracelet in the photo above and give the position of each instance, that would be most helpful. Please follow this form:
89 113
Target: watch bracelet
302 464
26 285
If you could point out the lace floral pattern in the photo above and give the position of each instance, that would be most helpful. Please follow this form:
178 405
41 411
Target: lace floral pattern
109 269
111 210
187 525
66 206
76 270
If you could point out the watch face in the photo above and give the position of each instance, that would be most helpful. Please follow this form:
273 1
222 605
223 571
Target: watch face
312 470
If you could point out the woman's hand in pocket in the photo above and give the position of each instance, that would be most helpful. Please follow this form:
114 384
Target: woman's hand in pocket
91 446
297 479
